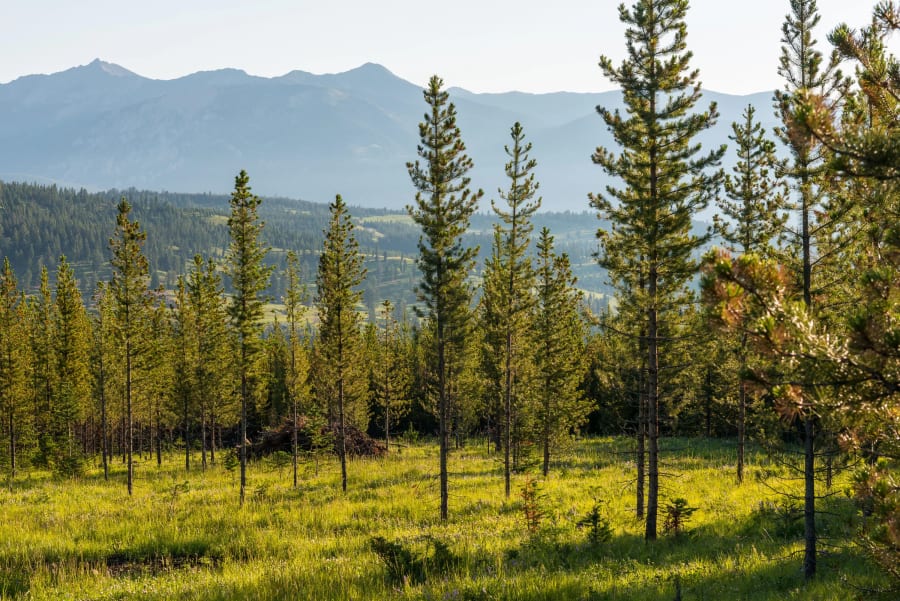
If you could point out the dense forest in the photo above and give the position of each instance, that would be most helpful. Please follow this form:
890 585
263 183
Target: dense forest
229 329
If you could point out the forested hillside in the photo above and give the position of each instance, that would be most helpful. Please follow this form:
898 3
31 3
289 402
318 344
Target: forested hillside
454 403
41 223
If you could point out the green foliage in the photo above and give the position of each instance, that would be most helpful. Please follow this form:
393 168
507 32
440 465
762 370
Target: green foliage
676 514
444 204
649 250
341 379
407 566
876 490
533 501
249 279
597 524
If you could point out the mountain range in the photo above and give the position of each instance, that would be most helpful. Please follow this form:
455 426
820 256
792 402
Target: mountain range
300 135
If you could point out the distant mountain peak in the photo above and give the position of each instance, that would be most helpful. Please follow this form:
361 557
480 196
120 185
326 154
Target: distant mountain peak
110 68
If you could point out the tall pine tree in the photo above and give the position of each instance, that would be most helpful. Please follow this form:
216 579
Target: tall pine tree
664 184
340 345
509 281
444 203
249 279
132 311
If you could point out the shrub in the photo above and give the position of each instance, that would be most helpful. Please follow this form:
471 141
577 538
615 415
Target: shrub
677 512
598 527
532 501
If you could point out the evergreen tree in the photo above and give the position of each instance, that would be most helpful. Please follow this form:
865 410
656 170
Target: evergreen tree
444 204
805 71
72 335
249 278
665 184
340 348
132 310
184 330
558 342
392 370
212 352
297 376
42 372
508 283
754 210
12 361
103 360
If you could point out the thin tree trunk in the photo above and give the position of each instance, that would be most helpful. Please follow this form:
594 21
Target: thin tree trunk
244 393
809 501
294 442
129 435
203 439
158 434
12 445
742 421
187 435
444 418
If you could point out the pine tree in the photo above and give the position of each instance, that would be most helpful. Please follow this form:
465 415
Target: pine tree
184 330
802 67
212 352
444 204
754 210
132 310
508 283
103 361
297 376
72 335
12 357
558 341
42 372
665 184
340 346
249 279
392 370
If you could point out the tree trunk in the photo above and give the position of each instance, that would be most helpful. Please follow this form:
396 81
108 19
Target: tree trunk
444 418
12 445
809 500
294 436
742 421
129 435
244 393
652 406
187 436
203 439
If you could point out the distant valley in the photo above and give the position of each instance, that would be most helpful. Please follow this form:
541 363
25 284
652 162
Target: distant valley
301 135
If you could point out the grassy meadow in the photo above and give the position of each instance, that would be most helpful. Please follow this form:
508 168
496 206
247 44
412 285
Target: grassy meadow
183 535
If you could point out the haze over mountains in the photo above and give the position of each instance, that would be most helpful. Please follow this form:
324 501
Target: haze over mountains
299 135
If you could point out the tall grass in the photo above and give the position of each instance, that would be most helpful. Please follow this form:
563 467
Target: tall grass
183 535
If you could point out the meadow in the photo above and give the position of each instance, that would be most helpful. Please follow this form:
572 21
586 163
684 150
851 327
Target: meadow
184 535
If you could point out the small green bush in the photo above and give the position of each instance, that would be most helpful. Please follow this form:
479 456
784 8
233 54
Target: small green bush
677 513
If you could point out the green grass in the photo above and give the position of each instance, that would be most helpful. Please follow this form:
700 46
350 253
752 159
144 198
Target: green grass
183 536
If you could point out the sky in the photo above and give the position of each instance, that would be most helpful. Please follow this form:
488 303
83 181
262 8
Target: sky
481 45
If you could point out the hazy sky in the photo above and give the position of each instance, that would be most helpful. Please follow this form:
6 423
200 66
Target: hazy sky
481 45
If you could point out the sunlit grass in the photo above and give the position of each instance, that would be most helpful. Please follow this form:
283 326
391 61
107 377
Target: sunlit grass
184 536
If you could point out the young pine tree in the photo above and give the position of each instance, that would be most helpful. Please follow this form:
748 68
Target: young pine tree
558 341
648 252
12 360
71 355
392 370
806 71
297 369
132 312
753 207
444 204
249 279
340 346
508 288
